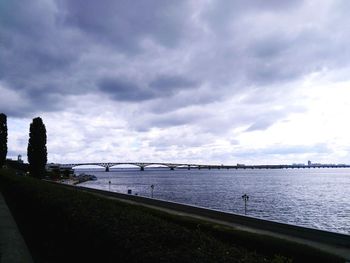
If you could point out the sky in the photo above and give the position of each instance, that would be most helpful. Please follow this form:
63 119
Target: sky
195 81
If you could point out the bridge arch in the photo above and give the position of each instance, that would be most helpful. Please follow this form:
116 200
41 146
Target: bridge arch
165 165
187 166
123 165
155 165
86 166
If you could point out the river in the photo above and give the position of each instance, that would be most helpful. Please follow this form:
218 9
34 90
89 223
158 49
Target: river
316 198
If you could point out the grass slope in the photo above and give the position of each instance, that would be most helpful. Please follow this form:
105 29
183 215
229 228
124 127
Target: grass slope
62 225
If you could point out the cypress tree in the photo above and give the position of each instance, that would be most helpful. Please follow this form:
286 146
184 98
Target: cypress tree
37 151
3 139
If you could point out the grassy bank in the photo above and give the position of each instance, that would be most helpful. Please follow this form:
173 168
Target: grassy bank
62 225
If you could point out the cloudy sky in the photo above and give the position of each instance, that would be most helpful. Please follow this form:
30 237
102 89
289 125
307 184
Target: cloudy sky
198 81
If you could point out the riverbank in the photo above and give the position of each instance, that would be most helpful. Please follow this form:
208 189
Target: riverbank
63 225
333 243
73 180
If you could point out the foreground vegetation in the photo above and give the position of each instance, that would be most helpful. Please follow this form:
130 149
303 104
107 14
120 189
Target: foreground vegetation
63 225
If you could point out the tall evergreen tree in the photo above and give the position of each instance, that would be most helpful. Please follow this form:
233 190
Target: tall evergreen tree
3 139
37 151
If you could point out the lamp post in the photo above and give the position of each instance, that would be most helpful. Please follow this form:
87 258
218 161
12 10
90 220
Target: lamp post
245 197
152 187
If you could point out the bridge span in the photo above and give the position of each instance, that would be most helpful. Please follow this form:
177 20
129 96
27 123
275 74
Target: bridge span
142 165
172 166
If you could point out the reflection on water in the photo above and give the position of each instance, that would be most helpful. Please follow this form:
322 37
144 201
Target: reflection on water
317 198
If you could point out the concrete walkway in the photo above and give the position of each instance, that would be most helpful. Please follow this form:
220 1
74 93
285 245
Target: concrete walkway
13 249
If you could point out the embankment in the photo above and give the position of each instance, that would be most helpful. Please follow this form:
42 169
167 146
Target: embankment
326 237
65 224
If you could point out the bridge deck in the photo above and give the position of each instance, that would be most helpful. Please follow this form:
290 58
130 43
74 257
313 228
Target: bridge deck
172 166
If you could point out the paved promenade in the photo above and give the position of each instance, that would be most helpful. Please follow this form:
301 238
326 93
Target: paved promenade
12 246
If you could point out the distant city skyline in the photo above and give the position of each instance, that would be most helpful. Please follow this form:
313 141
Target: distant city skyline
178 81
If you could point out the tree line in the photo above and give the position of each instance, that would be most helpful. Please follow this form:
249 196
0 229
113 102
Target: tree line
36 151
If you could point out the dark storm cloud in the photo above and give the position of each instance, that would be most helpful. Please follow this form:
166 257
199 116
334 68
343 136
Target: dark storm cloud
46 99
164 121
187 98
271 46
124 23
35 55
31 41
219 15
277 42
42 43
124 90
31 102
168 55
17 112
280 58
169 84
164 86
144 122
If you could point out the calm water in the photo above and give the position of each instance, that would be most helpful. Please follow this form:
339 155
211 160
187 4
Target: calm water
317 198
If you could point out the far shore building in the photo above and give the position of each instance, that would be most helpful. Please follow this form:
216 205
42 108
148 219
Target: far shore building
56 167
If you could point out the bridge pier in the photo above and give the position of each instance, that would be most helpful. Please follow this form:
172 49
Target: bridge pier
142 168
188 167
107 169
172 168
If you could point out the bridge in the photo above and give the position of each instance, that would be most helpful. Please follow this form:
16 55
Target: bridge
172 166
142 165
